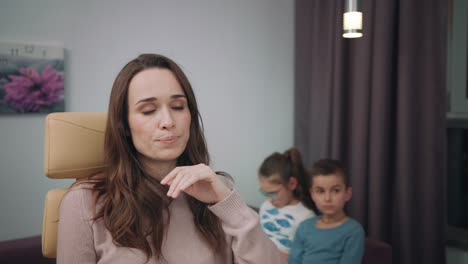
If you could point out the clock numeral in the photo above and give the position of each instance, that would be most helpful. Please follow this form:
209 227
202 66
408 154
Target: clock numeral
14 52
44 53
29 48
3 61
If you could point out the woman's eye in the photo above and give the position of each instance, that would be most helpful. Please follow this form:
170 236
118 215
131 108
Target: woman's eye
178 107
148 112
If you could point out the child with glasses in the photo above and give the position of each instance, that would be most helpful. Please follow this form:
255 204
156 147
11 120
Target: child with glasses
282 179
332 237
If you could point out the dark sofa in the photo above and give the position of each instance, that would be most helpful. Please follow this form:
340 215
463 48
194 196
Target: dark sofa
28 251
24 250
377 252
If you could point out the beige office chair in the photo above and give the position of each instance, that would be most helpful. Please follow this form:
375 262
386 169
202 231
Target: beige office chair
74 149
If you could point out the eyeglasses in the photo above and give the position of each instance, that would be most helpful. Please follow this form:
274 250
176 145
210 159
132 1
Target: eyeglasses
273 195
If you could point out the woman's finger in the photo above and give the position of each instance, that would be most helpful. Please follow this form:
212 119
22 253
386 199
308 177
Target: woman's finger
189 181
175 182
170 176
177 190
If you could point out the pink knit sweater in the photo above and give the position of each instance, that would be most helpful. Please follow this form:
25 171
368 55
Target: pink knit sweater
83 241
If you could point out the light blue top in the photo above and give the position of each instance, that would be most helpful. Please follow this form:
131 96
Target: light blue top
343 244
280 224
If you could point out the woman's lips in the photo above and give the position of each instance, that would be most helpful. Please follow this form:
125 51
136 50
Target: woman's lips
167 140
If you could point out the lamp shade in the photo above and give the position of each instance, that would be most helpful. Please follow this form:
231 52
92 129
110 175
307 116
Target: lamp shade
352 20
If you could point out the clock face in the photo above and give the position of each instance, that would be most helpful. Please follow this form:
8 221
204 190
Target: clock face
31 78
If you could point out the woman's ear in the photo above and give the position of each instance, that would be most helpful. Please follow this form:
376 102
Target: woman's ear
292 183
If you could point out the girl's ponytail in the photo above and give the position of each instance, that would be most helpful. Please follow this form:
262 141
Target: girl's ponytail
296 168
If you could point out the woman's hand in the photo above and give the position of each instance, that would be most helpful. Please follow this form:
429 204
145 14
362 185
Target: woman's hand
198 181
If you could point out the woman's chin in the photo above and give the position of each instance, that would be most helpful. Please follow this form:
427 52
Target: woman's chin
165 155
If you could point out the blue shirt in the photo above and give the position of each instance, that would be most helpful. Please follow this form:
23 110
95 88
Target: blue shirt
343 244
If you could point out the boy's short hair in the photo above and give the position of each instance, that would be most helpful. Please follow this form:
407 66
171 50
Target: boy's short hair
328 167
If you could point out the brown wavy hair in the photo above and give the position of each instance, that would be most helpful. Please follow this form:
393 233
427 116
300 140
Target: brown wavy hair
289 164
133 205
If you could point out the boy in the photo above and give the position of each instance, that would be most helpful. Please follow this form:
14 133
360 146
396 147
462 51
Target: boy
332 236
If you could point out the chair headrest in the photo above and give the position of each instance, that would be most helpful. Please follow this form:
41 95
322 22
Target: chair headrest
74 144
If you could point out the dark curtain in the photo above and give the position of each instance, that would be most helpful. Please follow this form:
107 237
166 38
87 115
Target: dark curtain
377 103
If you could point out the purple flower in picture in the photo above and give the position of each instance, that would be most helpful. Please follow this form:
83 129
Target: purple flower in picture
30 91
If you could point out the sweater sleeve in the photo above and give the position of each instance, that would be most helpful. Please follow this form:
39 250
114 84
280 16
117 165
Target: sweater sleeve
297 248
249 243
354 247
75 243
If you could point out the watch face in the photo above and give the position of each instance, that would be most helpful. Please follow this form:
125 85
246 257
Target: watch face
31 78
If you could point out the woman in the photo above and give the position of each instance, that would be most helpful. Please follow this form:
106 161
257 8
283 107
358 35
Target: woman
158 201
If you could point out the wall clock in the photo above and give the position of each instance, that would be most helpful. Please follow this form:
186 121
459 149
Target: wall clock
31 78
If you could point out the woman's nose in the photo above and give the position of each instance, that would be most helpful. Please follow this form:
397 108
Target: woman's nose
327 196
166 120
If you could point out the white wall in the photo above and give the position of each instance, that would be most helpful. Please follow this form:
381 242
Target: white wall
238 55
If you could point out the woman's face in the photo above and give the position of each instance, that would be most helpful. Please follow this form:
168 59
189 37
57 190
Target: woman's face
158 115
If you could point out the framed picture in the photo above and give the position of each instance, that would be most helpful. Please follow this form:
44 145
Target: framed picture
31 78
